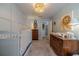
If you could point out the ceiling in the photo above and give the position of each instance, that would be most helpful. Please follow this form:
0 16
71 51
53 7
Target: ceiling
50 10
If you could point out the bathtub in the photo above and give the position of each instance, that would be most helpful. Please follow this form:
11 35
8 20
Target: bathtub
26 40
15 43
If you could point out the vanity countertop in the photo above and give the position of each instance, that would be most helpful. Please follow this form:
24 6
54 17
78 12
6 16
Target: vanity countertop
61 37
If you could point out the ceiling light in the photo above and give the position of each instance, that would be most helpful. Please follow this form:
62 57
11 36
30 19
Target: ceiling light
39 7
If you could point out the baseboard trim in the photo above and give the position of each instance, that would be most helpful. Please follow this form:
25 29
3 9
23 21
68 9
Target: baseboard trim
26 48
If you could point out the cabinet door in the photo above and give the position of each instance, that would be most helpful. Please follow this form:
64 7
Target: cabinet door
70 45
35 34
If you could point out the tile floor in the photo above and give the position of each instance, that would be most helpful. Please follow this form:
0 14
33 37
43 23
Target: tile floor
41 48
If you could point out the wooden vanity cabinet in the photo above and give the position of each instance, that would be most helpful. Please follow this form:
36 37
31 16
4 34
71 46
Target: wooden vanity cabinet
63 46
34 34
56 44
